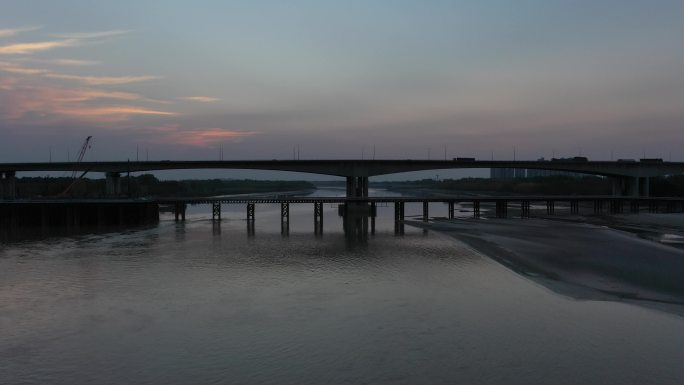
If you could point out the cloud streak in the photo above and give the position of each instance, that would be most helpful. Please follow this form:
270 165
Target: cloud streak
101 80
15 69
29 48
88 80
206 136
73 62
52 104
8 32
92 35
200 99
119 112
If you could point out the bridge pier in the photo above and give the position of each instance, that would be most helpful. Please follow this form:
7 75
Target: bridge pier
399 217
374 212
178 211
426 209
8 185
285 218
250 211
357 186
216 211
476 209
450 209
598 206
574 207
615 206
355 214
250 220
318 218
550 207
525 209
112 184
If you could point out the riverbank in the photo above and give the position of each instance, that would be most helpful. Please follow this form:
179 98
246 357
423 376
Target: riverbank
583 260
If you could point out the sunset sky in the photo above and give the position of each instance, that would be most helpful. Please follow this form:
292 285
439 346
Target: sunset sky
180 79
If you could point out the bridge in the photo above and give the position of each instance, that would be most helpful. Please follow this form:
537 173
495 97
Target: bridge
629 178
38 216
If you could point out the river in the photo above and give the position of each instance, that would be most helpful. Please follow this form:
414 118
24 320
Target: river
199 303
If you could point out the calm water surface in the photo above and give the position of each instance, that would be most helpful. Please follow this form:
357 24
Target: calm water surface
197 303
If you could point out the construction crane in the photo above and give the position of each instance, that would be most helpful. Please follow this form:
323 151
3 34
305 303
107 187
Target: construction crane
74 173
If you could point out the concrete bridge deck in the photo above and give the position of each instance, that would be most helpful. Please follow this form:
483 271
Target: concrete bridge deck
630 178
359 168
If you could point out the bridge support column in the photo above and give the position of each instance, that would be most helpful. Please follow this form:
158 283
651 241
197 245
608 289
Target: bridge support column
525 209
598 206
615 206
250 220
113 184
374 213
476 209
285 218
216 211
398 217
318 218
357 186
550 207
355 214
450 208
8 185
250 211
179 211
426 211
574 207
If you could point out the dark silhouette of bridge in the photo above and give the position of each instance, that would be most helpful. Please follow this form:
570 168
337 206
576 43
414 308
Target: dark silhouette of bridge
629 178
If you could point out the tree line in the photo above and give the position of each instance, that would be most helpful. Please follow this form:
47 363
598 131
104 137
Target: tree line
148 185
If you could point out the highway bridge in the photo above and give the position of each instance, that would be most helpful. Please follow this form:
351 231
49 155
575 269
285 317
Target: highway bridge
630 178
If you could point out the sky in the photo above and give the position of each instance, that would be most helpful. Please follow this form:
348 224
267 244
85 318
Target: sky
341 79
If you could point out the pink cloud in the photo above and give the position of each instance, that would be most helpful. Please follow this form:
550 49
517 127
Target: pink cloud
101 80
46 104
7 32
200 99
207 136
29 48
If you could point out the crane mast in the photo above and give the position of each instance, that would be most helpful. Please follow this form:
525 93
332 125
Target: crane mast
74 174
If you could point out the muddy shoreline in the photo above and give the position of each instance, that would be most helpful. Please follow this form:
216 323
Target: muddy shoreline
599 258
